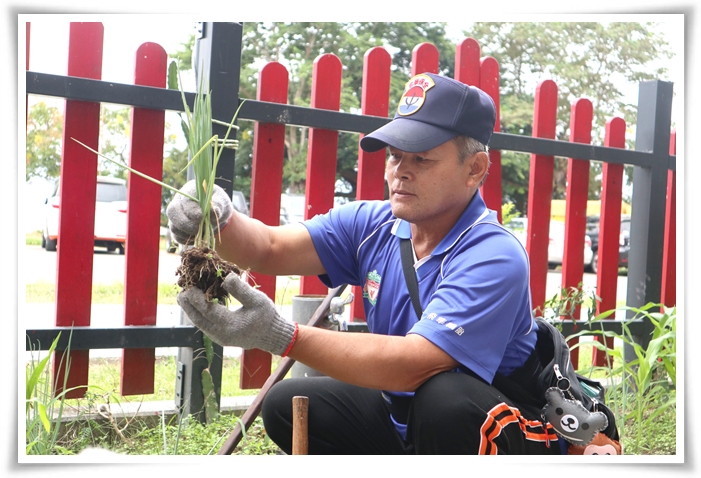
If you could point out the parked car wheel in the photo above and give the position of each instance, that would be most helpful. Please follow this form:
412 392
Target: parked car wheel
594 266
49 244
171 245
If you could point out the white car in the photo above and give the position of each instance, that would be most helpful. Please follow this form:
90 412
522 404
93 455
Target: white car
291 208
556 240
110 215
556 246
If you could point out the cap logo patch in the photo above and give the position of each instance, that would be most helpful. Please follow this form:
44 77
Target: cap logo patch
414 95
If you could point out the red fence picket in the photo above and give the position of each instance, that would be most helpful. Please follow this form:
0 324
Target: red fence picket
669 254
143 221
424 59
540 187
266 187
377 65
577 194
609 230
491 189
74 256
483 74
467 62
322 152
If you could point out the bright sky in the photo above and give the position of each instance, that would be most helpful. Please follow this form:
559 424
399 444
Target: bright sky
123 34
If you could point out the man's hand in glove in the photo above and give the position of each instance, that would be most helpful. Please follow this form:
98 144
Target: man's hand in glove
256 325
184 214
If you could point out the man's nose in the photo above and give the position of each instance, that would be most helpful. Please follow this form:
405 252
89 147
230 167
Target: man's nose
402 168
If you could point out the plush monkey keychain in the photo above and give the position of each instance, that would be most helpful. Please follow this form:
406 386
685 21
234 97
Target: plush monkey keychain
600 445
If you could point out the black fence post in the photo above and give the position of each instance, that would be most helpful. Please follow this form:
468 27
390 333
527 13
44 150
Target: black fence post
218 65
189 396
653 132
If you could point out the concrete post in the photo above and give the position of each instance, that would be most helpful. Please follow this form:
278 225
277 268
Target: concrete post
303 307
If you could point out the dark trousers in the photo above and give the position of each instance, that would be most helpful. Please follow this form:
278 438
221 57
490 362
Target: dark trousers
451 413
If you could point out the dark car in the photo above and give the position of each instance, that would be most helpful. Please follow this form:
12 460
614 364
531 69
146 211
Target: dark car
623 242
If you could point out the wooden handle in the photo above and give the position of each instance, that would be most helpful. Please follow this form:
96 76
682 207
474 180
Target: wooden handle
300 432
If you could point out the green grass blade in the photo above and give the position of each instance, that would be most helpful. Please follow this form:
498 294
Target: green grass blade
138 173
39 370
44 417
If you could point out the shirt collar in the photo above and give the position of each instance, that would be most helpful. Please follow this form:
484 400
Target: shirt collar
475 211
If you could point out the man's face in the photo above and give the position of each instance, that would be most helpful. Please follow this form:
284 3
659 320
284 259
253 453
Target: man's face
430 187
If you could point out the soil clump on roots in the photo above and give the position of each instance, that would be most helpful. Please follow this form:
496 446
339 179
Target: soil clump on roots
202 267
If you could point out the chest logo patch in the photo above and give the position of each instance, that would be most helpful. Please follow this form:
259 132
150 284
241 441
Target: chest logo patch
372 287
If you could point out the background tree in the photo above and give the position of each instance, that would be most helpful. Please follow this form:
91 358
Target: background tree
586 60
115 127
43 147
296 46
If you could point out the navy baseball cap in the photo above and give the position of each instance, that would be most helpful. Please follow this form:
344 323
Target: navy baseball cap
432 110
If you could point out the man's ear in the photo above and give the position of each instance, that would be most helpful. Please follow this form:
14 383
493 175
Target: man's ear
479 164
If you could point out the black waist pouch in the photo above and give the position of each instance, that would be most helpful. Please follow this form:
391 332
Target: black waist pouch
550 366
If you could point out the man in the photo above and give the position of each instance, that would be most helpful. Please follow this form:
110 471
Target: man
412 385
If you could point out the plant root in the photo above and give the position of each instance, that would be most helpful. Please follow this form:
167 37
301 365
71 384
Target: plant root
202 267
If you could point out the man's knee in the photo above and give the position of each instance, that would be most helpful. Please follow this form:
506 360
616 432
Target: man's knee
447 413
449 392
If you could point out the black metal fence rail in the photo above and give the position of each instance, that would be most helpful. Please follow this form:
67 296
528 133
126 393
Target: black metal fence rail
96 338
127 337
83 89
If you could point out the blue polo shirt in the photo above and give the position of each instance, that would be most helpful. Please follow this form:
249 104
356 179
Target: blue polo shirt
474 287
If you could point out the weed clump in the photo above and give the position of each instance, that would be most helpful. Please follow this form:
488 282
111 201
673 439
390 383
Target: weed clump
202 267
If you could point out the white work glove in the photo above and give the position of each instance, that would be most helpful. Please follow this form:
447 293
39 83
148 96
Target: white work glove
184 214
256 325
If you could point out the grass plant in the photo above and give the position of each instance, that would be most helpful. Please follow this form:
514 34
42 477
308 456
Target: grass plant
190 437
641 390
113 293
142 435
43 407
33 238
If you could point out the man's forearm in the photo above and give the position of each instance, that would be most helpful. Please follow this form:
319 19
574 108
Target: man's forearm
369 360
273 250
244 241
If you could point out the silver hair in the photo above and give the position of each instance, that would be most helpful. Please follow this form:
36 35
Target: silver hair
468 147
